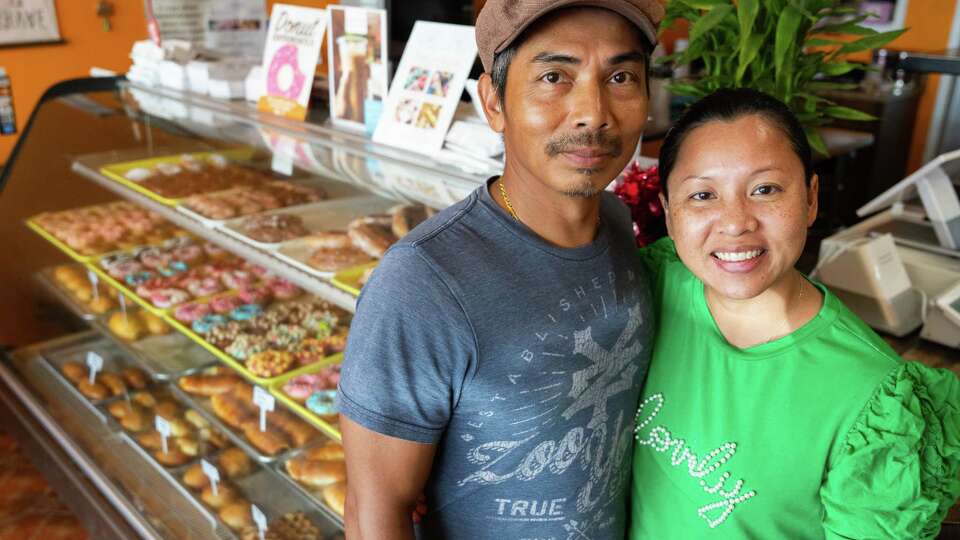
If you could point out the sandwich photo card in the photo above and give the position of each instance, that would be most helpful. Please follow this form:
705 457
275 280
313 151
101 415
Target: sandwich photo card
357 63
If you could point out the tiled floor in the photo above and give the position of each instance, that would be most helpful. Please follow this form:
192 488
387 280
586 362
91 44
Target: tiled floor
29 509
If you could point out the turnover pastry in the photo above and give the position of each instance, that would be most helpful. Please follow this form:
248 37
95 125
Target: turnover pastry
317 474
372 234
74 372
208 385
235 463
194 477
336 496
334 259
225 495
236 515
270 442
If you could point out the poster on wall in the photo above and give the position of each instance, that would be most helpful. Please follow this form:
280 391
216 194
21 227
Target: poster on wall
180 19
28 21
236 27
427 87
357 63
290 59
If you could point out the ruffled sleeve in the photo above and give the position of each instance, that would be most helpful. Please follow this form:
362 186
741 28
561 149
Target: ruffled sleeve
898 469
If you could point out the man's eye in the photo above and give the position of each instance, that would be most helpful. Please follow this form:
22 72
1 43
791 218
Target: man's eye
701 196
622 77
553 77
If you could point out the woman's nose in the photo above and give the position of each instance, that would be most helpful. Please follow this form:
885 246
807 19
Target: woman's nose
737 219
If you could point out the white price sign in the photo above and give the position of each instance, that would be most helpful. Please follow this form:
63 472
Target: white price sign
94 282
163 427
123 303
259 519
265 402
94 365
213 474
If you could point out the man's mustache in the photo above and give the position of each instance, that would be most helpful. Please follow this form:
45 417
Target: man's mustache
596 140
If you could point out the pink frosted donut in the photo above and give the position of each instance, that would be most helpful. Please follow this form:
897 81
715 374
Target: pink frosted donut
225 304
166 298
214 251
189 253
122 269
283 289
255 295
155 258
256 269
193 311
285 56
237 279
203 286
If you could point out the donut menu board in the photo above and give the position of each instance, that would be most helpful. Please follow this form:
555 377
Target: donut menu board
290 59
427 87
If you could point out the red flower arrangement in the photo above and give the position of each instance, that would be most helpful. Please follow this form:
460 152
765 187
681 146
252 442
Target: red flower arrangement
639 189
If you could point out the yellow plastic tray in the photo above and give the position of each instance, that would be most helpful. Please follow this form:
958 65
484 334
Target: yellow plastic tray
117 171
230 361
349 280
276 389
126 291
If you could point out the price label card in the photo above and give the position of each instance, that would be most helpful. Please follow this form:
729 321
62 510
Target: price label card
259 519
94 365
163 427
94 282
265 402
213 474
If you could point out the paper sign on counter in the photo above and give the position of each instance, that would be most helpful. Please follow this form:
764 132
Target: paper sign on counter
427 87
163 427
94 282
265 402
290 59
94 365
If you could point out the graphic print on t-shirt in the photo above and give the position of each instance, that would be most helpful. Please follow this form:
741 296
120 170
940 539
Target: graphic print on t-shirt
574 376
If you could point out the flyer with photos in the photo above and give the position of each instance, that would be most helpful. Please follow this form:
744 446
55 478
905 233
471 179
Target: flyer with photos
427 87
290 59
357 63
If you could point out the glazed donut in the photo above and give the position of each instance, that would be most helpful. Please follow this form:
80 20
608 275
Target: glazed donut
246 312
189 253
255 295
225 304
214 251
285 56
204 325
154 258
188 313
237 279
166 298
121 269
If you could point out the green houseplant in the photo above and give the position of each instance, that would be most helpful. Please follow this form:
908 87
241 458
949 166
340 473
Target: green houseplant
781 47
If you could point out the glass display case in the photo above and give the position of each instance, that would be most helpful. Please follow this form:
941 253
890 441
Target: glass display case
180 276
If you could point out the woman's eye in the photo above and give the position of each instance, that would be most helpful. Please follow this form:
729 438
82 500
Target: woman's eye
701 196
766 190
553 77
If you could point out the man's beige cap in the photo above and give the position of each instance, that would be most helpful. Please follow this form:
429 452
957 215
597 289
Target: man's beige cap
501 21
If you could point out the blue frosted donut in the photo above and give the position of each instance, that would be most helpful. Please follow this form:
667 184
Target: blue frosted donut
205 324
323 402
246 312
138 278
175 268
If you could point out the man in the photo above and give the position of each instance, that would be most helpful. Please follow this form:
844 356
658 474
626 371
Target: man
495 360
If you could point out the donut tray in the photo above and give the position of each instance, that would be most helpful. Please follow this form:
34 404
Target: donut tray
203 406
349 280
46 279
328 215
117 171
276 389
164 357
113 360
317 499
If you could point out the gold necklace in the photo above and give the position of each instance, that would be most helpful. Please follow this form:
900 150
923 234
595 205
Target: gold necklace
503 193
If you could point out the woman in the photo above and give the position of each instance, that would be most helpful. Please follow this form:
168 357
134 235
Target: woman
771 410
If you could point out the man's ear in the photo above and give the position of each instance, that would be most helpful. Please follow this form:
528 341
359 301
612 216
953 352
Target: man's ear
813 200
490 101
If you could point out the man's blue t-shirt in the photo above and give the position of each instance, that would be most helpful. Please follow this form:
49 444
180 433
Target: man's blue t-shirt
522 361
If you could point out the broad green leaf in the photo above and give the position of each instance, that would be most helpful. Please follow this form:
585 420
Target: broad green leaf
835 69
787 25
709 21
747 55
705 4
871 42
816 142
847 27
822 42
746 15
846 113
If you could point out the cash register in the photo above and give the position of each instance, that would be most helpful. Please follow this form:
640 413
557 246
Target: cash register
899 268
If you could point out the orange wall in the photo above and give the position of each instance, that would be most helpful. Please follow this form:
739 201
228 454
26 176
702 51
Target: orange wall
34 68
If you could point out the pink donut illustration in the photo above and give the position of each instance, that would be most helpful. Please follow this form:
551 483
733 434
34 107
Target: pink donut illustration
285 56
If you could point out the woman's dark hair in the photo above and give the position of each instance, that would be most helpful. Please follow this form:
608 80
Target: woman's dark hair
728 105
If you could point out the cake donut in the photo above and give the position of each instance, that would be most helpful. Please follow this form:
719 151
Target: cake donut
283 289
205 325
245 346
201 287
237 279
190 253
246 312
166 298
225 304
255 295
154 258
